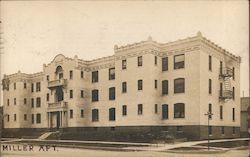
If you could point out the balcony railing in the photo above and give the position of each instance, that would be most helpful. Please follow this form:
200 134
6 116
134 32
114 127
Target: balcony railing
57 106
226 72
226 94
56 83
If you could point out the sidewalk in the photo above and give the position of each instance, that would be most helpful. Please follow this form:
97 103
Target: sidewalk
124 146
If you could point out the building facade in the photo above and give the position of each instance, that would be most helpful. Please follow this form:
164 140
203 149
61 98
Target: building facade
146 87
245 116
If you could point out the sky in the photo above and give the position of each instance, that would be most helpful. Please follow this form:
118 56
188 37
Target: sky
34 32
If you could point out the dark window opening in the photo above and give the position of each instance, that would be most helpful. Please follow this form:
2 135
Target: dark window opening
179 110
139 61
38 118
95 115
139 84
156 108
82 113
111 73
71 94
71 74
165 64
179 61
124 64
179 85
124 110
140 109
94 76
82 94
210 63
164 87
95 94
124 87
112 114
210 86
38 86
112 93
164 111
70 113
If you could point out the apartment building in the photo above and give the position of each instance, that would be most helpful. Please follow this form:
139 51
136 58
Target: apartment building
245 116
146 89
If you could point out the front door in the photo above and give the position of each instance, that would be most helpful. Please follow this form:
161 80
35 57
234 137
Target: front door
55 120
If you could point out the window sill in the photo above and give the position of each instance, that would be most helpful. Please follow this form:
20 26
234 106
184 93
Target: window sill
180 93
179 117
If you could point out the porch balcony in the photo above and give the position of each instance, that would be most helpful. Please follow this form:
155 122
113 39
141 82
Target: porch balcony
226 72
57 83
57 106
226 94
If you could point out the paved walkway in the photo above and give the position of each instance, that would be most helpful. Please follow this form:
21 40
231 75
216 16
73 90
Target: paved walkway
136 146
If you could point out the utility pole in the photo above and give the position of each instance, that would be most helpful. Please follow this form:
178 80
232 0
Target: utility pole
209 115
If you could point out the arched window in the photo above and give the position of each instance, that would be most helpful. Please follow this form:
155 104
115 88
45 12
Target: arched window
179 85
179 110
95 115
59 69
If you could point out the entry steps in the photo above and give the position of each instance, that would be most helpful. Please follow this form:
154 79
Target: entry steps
46 135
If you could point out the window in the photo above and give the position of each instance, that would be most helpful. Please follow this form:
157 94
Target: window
82 74
25 101
210 86
221 112
111 73
221 89
164 87
210 110
124 110
156 108
124 64
233 130
210 130
8 102
94 76
233 71
24 85
179 61
112 114
124 87
38 118
14 101
112 93
139 109
210 63
8 118
221 67
156 60
179 85
233 93
32 119
32 87
14 117
233 114
139 61
15 86
47 97
47 77
82 94
38 86
70 114
71 94
155 84
165 64
139 84
179 110
222 130
71 74
95 96
82 113
32 102
25 117
95 115
164 111
38 102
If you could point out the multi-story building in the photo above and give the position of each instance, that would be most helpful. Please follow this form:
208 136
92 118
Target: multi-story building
146 87
245 116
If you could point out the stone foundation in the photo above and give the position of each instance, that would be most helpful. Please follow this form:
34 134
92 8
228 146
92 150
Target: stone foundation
129 133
